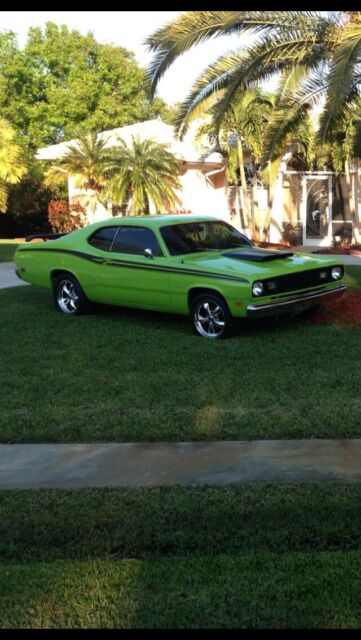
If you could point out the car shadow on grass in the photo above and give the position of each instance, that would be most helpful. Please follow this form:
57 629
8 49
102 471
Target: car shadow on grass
182 324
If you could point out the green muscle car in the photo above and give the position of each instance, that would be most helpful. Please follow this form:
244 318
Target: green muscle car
184 264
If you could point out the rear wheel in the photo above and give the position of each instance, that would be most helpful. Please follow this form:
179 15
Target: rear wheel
210 317
69 298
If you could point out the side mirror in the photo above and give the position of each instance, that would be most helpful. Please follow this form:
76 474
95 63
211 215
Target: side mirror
148 253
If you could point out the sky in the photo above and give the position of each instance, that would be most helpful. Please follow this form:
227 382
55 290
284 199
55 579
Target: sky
127 29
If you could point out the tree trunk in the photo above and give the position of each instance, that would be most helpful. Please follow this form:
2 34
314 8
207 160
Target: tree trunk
147 206
351 201
244 190
275 200
132 203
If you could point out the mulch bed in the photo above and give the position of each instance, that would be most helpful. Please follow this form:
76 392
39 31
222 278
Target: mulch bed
345 311
345 251
272 245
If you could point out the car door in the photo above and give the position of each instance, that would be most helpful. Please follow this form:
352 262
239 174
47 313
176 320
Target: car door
135 270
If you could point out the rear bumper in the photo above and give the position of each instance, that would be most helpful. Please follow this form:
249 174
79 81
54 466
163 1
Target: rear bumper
293 305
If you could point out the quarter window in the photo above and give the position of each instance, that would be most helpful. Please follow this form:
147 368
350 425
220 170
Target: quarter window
134 240
103 238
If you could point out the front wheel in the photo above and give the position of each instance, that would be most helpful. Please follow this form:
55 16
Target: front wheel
210 317
69 297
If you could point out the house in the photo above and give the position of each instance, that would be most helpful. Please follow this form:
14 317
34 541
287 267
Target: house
202 176
304 207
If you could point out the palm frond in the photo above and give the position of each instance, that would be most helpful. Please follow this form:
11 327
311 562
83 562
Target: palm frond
12 163
291 78
233 72
194 27
341 79
146 170
283 122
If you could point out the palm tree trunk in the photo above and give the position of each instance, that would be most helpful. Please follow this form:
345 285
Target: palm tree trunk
275 199
147 206
244 190
351 201
132 203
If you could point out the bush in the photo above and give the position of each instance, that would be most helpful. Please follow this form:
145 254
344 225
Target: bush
64 218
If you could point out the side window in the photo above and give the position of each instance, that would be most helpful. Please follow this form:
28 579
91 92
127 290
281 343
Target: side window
134 240
103 238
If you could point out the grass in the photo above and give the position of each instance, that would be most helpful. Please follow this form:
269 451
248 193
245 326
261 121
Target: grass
253 591
38 526
263 556
7 250
237 556
123 375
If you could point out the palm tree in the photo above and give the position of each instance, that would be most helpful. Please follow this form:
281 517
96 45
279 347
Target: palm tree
142 172
316 54
85 160
242 129
12 164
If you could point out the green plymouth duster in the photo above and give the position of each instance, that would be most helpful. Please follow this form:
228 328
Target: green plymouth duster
186 264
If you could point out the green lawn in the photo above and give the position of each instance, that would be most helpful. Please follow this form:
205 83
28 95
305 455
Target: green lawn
237 556
7 250
122 375
318 590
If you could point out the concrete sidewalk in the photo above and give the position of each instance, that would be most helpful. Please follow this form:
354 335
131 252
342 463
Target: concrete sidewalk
8 277
25 466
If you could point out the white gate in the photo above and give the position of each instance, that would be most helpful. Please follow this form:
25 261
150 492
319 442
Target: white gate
316 209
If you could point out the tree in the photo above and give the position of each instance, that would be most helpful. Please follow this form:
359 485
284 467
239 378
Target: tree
142 172
86 161
12 165
316 55
241 129
62 80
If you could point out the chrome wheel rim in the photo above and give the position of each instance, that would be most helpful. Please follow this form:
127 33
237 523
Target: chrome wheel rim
67 297
209 319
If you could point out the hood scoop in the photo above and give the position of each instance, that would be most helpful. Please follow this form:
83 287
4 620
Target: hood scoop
258 255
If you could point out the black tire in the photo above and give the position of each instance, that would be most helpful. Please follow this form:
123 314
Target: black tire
210 317
69 297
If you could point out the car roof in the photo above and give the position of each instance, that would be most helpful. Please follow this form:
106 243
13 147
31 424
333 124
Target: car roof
156 220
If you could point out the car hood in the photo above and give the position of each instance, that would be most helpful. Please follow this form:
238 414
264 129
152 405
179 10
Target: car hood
257 263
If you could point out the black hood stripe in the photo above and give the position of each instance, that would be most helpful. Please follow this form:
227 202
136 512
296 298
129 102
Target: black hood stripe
114 262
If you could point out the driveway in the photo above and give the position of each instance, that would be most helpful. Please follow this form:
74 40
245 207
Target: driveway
8 277
354 260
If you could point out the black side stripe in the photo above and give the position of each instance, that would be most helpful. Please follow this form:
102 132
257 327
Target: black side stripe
113 262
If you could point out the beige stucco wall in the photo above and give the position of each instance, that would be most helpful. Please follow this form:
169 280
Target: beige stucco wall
203 195
96 211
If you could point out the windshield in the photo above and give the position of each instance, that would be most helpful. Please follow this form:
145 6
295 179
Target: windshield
202 236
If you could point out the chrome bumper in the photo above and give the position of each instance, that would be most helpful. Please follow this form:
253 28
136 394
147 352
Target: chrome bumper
293 305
